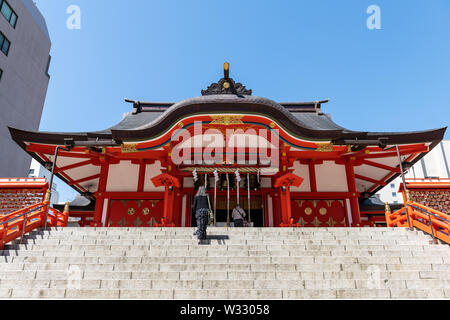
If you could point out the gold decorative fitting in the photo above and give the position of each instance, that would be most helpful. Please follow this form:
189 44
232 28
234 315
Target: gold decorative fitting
227 120
331 222
387 208
129 147
316 222
66 207
181 124
323 211
408 195
145 211
301 222
131 211
272 125
226 85
103 150
47 196
324 147
308 211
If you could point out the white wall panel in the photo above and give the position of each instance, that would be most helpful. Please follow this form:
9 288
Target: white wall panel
123 177
331 177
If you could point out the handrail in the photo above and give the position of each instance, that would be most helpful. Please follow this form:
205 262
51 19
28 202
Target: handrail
16 224
429 220
23 214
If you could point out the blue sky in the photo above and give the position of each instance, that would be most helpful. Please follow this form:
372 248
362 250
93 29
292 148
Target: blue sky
393 79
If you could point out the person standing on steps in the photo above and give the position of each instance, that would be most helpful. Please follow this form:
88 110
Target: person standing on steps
201 208
238 215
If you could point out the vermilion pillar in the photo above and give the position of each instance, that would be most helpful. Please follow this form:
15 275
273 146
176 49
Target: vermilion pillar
283 183
354 204
172 184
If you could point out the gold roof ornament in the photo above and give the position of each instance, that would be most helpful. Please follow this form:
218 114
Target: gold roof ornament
128 147
227 120
325 147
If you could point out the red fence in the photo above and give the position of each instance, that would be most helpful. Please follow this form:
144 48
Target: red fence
20 222
414 214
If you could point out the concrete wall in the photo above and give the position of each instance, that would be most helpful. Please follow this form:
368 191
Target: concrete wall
24 83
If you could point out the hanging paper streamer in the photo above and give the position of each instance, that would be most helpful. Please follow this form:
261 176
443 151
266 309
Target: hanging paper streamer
238 180
248 198
228 201
216 178
195 175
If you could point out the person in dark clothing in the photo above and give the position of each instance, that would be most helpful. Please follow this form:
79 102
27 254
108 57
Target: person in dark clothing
238 215
201 208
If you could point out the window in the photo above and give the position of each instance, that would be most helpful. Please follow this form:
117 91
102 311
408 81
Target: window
394 194
8 13
4 44
392 185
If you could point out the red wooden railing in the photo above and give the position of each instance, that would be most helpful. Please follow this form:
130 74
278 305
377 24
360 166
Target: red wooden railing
20 222
414 214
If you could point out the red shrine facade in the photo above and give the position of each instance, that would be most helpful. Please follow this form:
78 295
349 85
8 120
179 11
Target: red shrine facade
285 163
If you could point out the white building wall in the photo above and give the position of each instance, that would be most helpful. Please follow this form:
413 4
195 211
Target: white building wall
38 171
434 165
23 85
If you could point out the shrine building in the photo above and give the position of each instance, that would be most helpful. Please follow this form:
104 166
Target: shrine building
284 162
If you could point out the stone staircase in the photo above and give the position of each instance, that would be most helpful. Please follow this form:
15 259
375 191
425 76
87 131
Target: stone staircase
233 263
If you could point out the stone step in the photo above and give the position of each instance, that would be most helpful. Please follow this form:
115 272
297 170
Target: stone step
442 249
218 243
25 272
233 294
124 280
245 263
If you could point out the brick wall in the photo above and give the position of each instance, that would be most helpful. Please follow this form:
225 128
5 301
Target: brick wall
15 199
438 199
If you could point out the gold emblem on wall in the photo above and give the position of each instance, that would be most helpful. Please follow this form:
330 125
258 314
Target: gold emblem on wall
128 147
301 222
131 211
299 202
152 222
324 147
316 222
137 223
323 211
227 120
331 222
145 211
122 222
308 211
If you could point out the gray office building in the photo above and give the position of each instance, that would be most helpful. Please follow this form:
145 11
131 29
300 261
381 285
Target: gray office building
24 62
